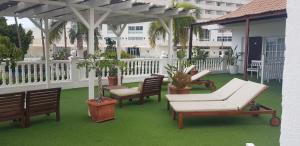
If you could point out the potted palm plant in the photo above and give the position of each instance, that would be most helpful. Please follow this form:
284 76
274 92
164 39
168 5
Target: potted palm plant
180 81
232 57
101 108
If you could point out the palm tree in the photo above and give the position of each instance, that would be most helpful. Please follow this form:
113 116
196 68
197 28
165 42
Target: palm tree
180 25
78 33
56 33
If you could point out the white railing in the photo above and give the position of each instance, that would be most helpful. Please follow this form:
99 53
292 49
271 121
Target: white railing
60 70
64 73
216 65
34 72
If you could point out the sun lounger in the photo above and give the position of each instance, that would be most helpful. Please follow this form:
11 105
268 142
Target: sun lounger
197 80
150 87
187 70
221 94
236 104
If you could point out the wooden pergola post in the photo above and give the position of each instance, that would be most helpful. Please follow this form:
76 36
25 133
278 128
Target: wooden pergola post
246 54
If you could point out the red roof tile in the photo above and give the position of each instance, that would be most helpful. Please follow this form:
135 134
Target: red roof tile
256 7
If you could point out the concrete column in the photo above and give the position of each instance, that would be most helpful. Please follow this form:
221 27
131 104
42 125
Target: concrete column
162 64
91 50
47 53
170 39
290 127
74 71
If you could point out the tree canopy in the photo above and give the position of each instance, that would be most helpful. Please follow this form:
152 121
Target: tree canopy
8 51
10 31
180 26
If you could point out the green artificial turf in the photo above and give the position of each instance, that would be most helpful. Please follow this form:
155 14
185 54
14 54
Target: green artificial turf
149 124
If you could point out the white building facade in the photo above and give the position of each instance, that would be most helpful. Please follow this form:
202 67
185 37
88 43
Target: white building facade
135 36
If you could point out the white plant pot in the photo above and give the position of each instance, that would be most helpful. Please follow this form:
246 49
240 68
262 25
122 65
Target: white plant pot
233 69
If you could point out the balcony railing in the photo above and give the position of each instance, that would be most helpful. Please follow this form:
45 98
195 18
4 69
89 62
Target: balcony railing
64 73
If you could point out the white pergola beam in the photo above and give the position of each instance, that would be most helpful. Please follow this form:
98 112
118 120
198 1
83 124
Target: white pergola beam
102 18
119 6
18 7
140 8
4 1
54 13
80 17
97 2
82 6
164 25
56 25
37 24
157 10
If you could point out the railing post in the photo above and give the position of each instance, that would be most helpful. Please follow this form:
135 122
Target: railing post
3 73
224 65
162 64
74 71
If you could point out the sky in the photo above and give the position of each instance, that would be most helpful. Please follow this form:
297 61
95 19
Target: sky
26 23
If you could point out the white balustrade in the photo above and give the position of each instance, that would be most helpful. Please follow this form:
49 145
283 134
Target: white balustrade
65 71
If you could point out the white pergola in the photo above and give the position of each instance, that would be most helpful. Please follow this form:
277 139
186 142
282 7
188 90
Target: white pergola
92 13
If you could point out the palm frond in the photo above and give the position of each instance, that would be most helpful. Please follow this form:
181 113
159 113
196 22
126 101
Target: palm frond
156 30
57 32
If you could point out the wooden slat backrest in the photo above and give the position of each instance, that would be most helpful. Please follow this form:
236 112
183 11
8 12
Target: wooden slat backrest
42 101
152 85
11 106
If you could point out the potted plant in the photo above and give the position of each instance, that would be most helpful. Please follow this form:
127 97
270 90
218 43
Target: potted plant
232 56
179 84
101 108
180 81
112 62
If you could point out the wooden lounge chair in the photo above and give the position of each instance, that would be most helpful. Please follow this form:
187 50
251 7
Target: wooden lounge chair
219 95
196 80
236 104
12 107
187 70
41 102
150 87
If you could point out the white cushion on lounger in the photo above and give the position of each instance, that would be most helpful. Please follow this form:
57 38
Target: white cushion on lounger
221 94
189 69
246 94
205 106
199 75
192 97
229 88
125 92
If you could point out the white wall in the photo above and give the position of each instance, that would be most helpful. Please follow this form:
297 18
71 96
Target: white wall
290 127
263 28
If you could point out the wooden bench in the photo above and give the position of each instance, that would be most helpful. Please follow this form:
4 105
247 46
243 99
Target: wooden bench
41 102
12 107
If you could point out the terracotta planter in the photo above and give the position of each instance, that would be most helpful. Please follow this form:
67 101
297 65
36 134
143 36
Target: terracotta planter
174 90
102 111
112 81
194 71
